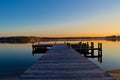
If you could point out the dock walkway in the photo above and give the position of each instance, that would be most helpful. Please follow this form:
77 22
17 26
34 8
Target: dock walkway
63 63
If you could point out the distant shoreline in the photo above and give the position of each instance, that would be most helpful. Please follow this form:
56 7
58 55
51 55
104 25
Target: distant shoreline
33 39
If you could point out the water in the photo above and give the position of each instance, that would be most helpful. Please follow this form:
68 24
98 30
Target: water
16 58
111 56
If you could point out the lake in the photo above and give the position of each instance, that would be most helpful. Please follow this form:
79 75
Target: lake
16 58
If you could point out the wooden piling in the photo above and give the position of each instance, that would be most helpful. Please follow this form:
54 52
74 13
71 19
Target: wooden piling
92 45
99 46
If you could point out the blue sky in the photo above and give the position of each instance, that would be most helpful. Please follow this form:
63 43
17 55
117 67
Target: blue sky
59 17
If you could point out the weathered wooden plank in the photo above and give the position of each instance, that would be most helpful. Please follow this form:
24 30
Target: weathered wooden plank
63 63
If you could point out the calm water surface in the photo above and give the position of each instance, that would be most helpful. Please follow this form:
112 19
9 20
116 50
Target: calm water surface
16 58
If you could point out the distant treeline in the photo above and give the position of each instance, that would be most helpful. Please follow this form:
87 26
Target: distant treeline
18 39
69 38
113 38
33 39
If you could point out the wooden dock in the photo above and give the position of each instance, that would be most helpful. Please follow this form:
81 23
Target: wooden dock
64 63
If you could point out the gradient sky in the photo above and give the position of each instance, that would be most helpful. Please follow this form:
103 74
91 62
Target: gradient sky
57 18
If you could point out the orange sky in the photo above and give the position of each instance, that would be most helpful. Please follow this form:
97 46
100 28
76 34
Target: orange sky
68 18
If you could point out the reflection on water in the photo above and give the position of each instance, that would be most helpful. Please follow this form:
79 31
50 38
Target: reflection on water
111 56
16 58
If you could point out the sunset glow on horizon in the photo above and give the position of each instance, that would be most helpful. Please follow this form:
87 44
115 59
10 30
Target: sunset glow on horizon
59 18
